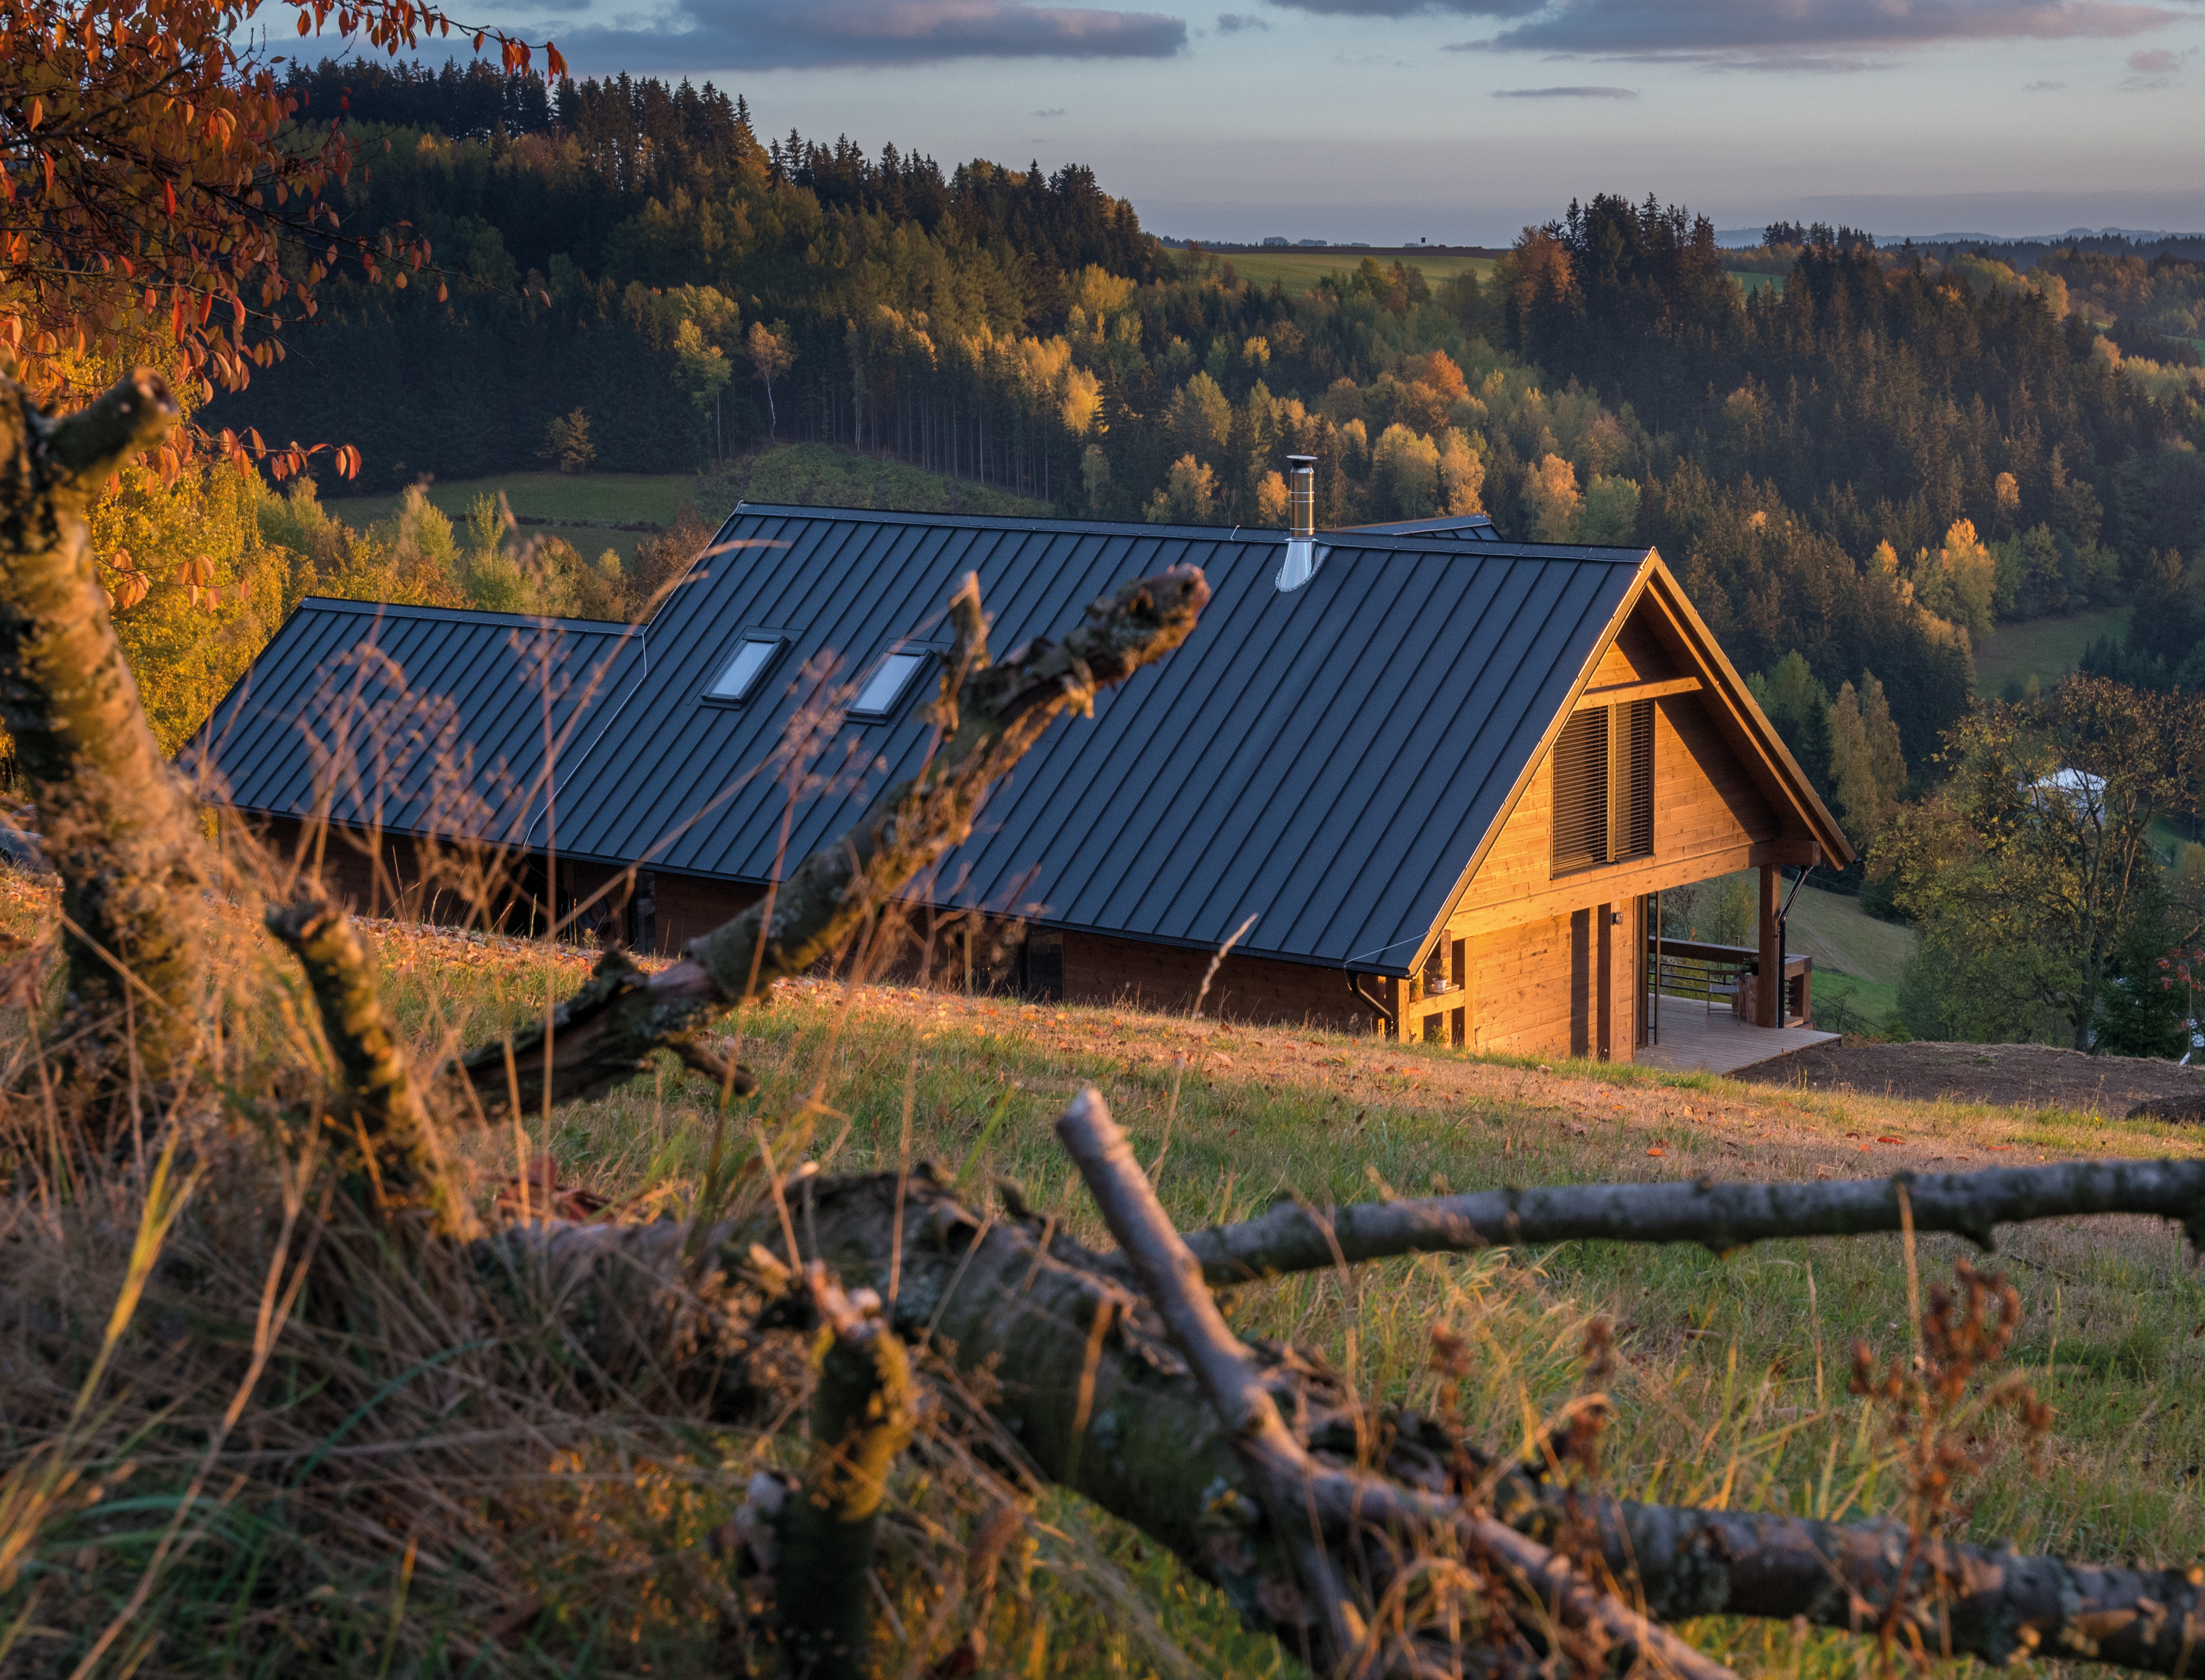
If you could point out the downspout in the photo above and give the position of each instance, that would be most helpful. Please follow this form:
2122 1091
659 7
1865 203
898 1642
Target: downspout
1783 959
1355 985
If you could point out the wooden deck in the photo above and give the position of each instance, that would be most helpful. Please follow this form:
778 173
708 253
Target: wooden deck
1693 1038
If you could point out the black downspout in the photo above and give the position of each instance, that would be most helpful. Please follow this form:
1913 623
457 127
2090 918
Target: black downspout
1385 1014
1783 959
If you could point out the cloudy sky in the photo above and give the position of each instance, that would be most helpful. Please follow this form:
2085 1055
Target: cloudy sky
1457 121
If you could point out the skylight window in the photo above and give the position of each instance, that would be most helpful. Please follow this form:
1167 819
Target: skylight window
885 689
740 677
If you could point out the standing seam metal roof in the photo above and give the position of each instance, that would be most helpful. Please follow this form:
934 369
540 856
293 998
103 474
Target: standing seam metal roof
413 720
1325 761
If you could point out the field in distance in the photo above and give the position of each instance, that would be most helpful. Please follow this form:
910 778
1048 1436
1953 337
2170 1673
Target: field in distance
586 509
580 506
2047 649
1298 270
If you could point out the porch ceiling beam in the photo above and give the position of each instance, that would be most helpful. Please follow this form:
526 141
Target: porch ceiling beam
1615 694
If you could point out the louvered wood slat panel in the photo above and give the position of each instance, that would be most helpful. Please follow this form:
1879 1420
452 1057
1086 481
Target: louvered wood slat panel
1581 766
1633 834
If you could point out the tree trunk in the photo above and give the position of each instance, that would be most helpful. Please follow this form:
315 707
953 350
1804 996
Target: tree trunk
117 820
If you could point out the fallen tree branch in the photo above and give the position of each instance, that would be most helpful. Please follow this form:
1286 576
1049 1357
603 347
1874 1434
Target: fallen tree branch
382 1126
989 715
1290 1237
1011 1303
1298 1491
1961 1601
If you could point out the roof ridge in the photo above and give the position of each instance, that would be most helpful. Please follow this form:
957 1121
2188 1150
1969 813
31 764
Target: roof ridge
1346 537
460 614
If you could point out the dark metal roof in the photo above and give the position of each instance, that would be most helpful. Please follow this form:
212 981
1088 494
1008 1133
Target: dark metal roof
414 720
1325 761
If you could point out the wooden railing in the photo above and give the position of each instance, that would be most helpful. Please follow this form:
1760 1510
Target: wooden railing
1696 971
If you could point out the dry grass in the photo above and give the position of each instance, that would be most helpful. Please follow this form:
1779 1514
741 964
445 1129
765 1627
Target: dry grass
386 1506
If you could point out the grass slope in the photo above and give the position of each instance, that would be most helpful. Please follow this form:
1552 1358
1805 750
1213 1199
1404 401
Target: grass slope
580 506
1730 1387
2045 649
583 508
1857 959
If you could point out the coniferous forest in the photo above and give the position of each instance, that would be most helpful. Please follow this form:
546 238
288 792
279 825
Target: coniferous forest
1868 465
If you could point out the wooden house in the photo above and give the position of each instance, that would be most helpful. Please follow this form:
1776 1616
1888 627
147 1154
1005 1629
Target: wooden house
1417 779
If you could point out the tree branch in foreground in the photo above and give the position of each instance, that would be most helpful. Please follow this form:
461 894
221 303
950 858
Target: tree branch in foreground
382 1125
990 715
1290 1237
1090 1393
1300 1492
117 822
862 1416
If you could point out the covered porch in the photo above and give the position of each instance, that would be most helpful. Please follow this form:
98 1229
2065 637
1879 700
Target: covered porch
1694 1038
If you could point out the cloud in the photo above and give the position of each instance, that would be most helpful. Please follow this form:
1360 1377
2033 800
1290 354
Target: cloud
1822 34
1231 23
805 34
2154 68
2044 88
1054 111
1565 93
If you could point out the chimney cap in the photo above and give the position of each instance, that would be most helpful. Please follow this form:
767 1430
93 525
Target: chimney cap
1302 463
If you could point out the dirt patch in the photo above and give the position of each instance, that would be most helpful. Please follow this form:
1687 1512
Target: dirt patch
2016 1076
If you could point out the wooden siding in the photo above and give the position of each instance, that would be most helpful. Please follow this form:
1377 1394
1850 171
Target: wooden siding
1526 988
1708 817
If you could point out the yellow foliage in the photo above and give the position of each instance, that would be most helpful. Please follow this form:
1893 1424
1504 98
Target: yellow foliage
1552 499
1099 294
214 589
1081 405
1407 464
1462 474
1188 495
1960 581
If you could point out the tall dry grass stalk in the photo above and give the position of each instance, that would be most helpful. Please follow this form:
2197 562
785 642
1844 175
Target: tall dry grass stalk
295 1445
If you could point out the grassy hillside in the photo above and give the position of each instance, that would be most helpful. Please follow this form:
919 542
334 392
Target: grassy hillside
2045 649
581 506
1730 1387
1857 959
585 507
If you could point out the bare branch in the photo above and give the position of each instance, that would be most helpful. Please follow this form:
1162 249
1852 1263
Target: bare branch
1717 1216
992 718
382 1125
1293 1481
1963 1600
1118 1415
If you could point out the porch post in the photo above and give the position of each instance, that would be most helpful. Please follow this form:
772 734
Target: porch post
1768 986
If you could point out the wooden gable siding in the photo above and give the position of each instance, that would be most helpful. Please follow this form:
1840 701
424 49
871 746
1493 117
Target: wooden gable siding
1710 812
1708 816
1635 655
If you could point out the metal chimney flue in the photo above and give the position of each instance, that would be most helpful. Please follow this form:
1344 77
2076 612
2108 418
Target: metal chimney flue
1300 563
